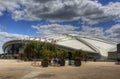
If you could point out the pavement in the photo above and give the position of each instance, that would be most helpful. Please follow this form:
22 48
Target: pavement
14 69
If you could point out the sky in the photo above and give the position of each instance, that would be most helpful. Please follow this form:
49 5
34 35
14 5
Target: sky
23 18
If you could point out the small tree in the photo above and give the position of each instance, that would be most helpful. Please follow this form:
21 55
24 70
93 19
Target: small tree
62 54
46 55
28 50
78 55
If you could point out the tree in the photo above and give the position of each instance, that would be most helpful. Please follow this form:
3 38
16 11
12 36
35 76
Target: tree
34 49
62 54
78 54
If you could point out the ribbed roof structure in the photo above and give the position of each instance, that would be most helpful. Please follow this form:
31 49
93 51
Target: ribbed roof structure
76 41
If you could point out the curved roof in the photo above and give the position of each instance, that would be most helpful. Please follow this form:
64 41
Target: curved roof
75 41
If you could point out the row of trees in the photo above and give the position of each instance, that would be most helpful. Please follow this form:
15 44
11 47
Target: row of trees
47 51
43 50
39 50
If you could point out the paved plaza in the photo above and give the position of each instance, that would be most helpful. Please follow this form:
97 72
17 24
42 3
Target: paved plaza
13 69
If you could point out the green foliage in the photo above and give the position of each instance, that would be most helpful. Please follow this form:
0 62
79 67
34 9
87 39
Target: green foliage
49 46
43 50
37 48
45 53
77 54
31 50
62 54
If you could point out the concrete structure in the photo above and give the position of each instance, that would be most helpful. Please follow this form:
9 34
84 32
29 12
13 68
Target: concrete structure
94 46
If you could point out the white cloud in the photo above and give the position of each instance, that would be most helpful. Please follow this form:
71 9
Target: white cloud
92 31
114 32
8 5
54 28
67 29
5 35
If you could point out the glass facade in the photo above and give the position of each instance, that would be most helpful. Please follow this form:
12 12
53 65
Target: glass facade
12 51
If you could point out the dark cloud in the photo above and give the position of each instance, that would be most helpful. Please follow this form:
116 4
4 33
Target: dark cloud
42 1
89 11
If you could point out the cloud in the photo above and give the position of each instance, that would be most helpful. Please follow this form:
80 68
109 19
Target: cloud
5 35
93 31
90 11
55 29
43 1
57 10
9 6
104 13
114 32
68 29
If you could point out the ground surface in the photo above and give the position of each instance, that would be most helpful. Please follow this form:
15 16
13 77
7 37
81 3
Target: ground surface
12 69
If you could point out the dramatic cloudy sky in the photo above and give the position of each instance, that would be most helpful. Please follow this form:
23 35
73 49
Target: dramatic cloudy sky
21 18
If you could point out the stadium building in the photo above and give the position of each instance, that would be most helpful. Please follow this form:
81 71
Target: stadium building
95 47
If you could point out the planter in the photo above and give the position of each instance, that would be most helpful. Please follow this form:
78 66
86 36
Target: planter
77 62
62 62
44 63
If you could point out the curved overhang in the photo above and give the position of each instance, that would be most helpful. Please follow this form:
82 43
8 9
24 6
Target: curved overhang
13 42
